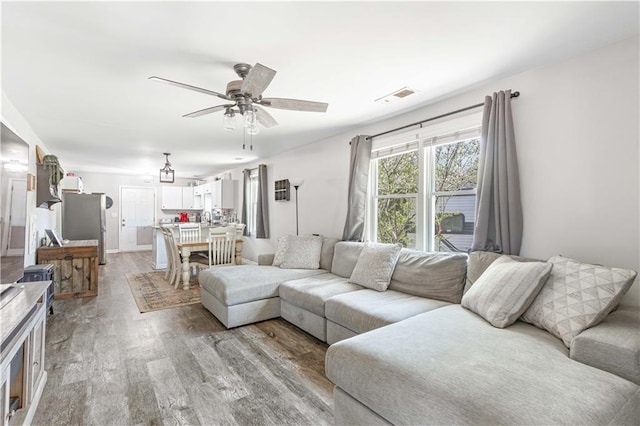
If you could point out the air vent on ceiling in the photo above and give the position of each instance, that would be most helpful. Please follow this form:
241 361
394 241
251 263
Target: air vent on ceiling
398 94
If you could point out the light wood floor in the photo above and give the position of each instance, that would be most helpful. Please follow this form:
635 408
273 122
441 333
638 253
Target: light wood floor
108 364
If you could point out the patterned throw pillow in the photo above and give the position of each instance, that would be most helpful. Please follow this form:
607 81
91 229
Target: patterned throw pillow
375 266
302 252
577 296
281 248
505 290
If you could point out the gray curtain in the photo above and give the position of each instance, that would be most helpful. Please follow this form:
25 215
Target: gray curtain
498 225
358 182
262 212
246 185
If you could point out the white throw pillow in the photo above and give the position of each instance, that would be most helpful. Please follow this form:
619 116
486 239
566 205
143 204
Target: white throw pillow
302 252
505 290
281 248
375 266
577 296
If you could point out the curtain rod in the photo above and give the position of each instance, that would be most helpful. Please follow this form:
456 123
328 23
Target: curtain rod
513 95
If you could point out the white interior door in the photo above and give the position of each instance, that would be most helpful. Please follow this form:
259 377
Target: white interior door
137 218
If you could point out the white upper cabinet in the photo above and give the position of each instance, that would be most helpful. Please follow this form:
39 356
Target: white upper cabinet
171 197
179 198
187 197
223 195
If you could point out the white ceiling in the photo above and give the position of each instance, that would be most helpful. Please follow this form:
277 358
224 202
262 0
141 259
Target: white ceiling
78 71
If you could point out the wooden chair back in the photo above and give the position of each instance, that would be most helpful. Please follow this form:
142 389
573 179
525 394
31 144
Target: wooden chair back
240 230
222 246
189 231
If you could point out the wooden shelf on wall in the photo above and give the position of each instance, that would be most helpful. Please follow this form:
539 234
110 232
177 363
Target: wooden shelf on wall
282 190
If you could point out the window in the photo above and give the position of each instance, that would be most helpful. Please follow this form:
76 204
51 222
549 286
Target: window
424 187
397 190
251 198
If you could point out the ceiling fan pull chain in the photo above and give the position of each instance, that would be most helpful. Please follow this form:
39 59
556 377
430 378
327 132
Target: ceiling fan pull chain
251 138
244 137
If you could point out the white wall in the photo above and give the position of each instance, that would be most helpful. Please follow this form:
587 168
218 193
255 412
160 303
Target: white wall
45 219
577 133
110 185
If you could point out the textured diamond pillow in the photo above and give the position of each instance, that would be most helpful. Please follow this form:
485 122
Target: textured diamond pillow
577 296
302 252
375 266
505 290
281 248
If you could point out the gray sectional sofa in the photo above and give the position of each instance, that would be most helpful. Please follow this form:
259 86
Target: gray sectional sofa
413 355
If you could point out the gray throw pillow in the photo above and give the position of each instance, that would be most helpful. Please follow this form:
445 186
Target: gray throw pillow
302 252
577 296
505 290
281 248
375 266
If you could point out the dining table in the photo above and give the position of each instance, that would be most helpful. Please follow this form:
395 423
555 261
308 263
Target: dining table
187 247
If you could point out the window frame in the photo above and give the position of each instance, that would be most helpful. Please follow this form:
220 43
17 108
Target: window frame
425 141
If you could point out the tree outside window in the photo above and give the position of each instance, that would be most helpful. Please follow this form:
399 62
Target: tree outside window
452 179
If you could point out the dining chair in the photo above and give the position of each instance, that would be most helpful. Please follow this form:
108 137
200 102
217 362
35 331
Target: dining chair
240 230
176 261
189 231
222 246
170 266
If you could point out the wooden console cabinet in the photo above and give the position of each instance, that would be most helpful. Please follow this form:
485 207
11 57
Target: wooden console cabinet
76 268
22 374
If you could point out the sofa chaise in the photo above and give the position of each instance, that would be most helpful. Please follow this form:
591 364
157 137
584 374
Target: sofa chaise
412 354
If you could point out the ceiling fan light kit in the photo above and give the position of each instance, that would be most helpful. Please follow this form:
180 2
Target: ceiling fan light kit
245 98
229 120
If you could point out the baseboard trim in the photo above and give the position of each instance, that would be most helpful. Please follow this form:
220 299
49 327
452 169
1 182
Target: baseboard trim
112 251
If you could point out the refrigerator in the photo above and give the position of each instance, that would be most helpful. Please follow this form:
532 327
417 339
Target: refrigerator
84 217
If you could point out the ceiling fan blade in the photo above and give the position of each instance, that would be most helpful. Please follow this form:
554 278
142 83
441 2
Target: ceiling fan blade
189 87
265 118
258 78
294 104
207 111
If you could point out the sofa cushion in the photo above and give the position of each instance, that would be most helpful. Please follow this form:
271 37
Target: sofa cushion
577 296
302 252
463 371
365 310
430 274
311 293
613 345
240 284
505 290
375 266
345 256
326 255
479 261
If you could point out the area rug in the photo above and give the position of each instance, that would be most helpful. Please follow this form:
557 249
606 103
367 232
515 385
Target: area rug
152 292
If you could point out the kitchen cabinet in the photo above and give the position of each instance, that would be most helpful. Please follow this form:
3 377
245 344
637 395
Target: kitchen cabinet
171 197
22 374
187 198
180 198
197 190
158 250
223 194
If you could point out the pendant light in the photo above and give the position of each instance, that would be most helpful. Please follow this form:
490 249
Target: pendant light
167 174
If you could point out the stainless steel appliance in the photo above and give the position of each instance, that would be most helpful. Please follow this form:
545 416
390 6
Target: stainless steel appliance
84 217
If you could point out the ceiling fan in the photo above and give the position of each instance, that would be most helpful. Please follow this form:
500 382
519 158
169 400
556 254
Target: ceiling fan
245 98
